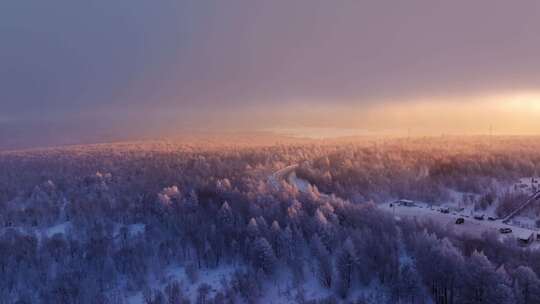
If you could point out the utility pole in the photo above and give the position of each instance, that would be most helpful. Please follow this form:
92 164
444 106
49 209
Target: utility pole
490 135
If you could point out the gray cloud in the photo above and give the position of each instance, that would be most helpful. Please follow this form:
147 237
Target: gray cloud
123 60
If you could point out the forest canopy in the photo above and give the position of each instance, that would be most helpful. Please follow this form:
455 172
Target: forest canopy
150 222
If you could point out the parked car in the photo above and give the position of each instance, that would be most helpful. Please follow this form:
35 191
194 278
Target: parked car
460 221
406 203
492 218
505 230
445 210
479 217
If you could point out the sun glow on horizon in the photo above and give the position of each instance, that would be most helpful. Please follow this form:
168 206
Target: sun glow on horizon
523 102
510 113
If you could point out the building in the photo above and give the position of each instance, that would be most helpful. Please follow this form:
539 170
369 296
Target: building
525 237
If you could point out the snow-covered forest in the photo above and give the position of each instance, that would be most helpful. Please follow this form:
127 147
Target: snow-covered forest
163 222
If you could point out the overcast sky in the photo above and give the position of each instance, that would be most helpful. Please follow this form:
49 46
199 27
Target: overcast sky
103 69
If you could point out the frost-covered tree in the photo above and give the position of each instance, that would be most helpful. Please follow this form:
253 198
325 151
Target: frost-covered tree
483 284
253 228
408 287
69 235
526 285
345 262
325 271
263 256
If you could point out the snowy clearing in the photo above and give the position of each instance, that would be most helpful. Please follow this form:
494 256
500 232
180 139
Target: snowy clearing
470 226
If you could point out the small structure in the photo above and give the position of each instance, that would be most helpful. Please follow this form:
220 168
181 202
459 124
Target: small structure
524 237
406 203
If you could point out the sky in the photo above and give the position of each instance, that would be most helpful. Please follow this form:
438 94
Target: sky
96 70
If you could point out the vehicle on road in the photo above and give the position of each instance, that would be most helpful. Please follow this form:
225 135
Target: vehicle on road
445 210
505 230
492 218
479 217
460 221
406 203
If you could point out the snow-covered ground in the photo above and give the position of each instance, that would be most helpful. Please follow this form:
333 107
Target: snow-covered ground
526 185
301 184
289 174
278 289
62 228
471 226
212 277
59 228
281 174
524 222
281 290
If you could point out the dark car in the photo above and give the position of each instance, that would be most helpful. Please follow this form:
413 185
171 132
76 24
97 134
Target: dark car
505 230
479 217
460 221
